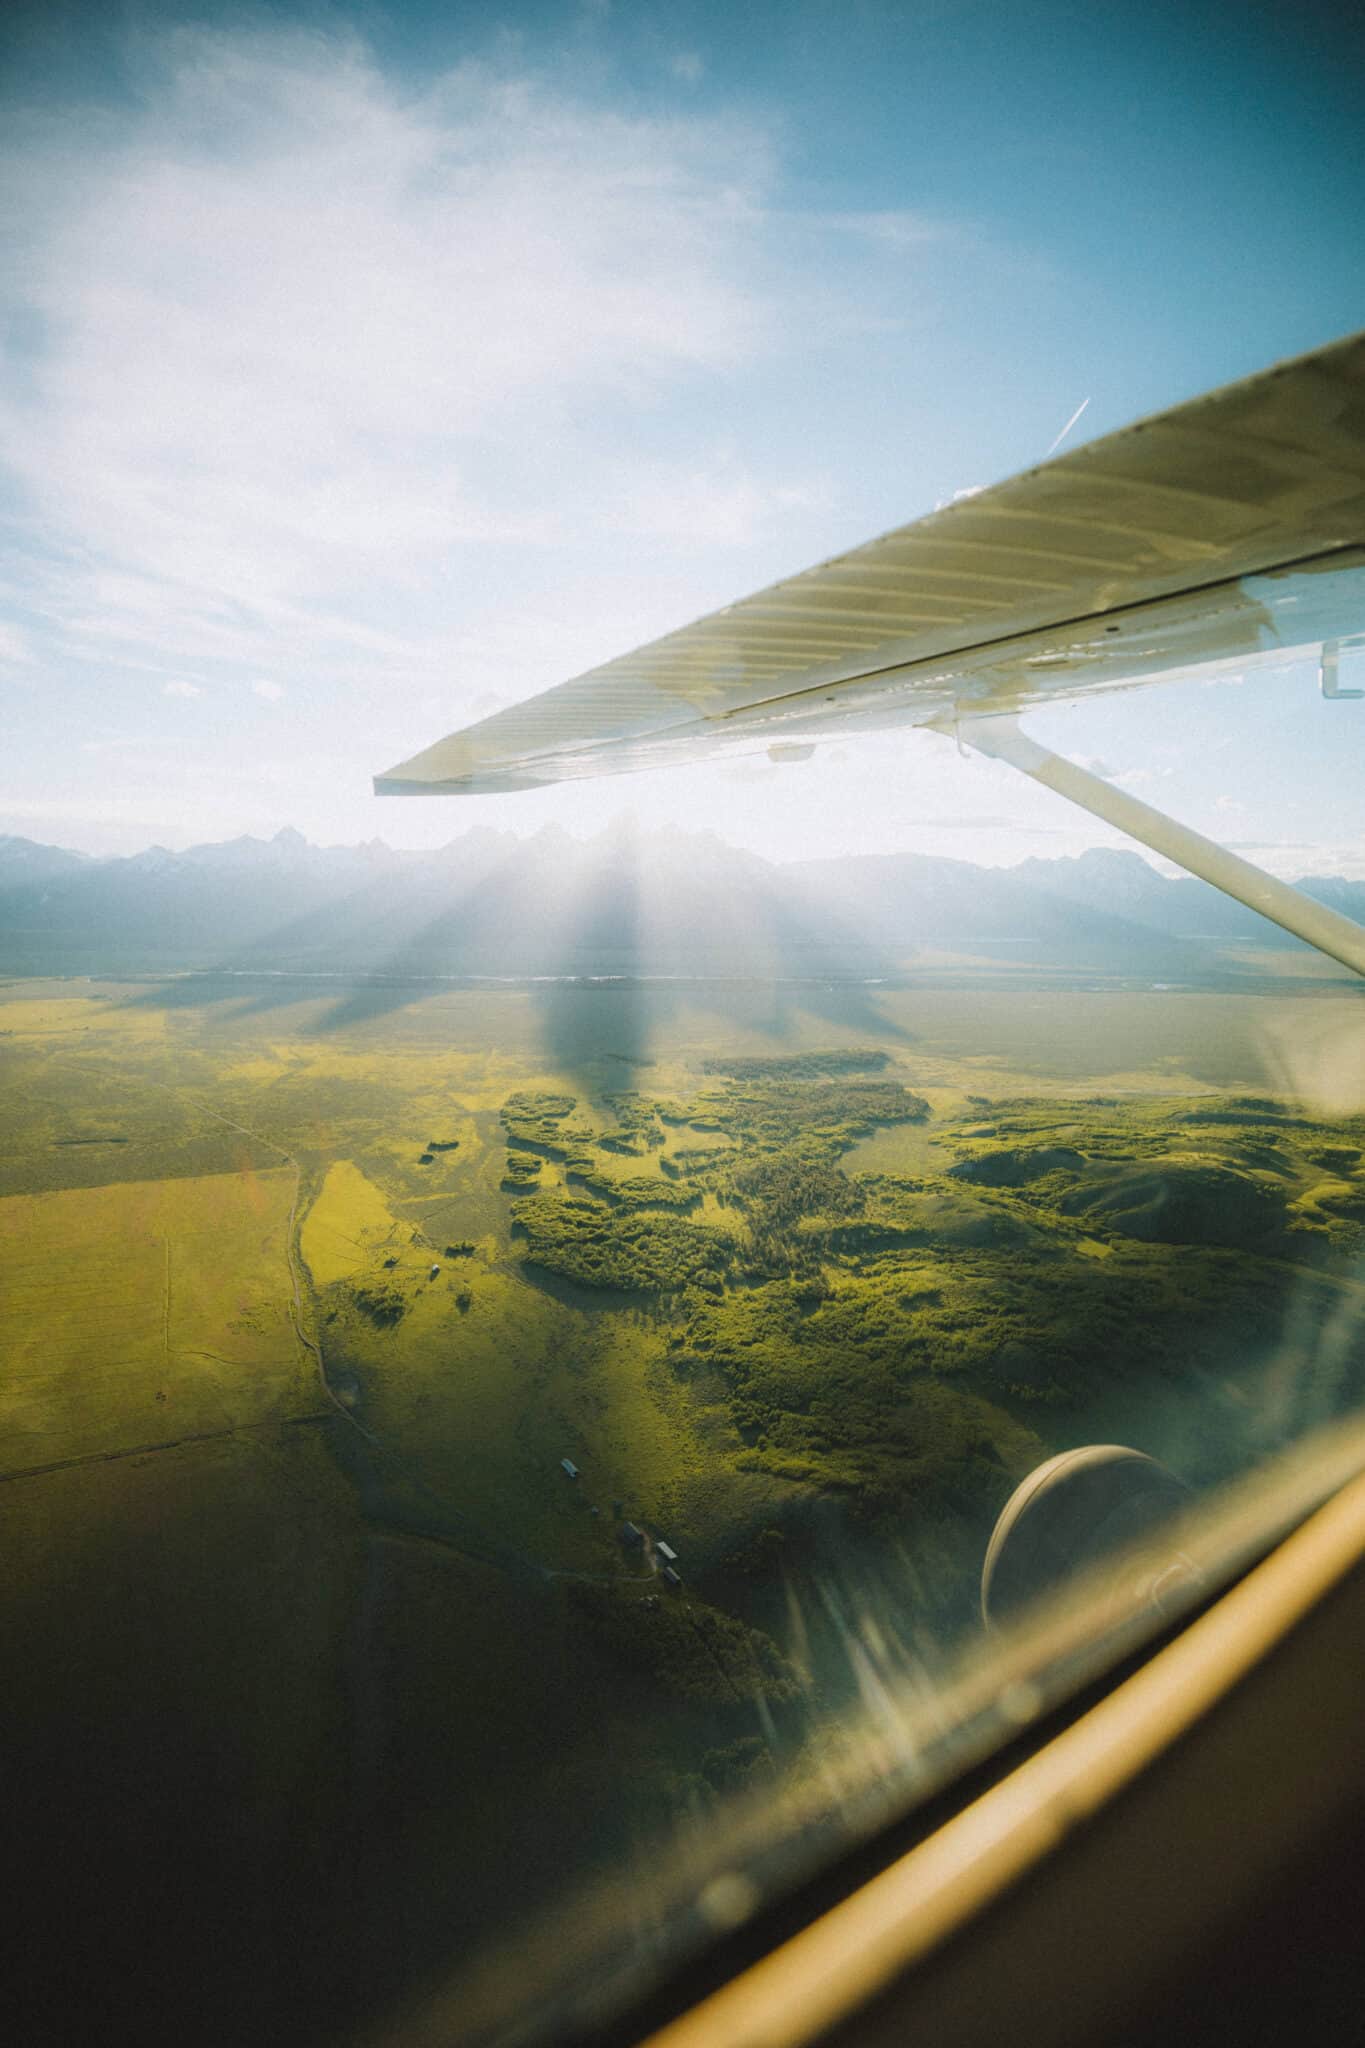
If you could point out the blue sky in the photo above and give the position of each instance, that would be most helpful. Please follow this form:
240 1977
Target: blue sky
363 369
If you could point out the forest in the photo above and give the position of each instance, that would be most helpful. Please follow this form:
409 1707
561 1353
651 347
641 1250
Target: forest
305 1317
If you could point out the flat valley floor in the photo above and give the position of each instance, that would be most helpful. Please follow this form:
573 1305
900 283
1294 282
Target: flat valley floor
323 1676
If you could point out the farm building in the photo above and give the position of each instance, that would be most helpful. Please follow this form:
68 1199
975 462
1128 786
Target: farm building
567 1465
666 1551
631 1536
669 1576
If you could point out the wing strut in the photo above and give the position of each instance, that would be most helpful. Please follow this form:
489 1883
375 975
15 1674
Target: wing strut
1340 938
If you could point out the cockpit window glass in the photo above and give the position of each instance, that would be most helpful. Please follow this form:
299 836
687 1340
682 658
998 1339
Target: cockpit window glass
571 1356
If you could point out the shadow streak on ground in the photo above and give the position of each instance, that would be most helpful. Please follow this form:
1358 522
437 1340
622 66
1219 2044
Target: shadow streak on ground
617 941
751 956
384 949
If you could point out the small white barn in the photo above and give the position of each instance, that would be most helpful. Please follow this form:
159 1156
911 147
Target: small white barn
665 1550
568 1466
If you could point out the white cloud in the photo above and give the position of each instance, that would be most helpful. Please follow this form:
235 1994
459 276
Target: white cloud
717 500
347 392
1294 859
146 744
316 351
896 229
294 311
14 644
103 810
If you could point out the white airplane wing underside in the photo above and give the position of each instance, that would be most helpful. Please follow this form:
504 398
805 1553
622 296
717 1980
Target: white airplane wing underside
1225 531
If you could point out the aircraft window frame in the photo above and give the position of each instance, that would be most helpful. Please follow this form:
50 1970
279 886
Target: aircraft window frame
1027 1686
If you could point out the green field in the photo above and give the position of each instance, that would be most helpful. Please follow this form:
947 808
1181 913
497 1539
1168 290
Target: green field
800 1280
146 1311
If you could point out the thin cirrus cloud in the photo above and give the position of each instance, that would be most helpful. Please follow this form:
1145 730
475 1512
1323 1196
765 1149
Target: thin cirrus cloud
14 646
298 327
335 391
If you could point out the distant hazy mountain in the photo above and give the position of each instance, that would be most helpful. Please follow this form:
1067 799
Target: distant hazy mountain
21 860
623 903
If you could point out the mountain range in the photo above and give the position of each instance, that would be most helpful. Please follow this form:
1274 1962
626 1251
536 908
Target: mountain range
625 902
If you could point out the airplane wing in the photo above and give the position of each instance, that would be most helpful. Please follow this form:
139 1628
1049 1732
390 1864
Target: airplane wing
1223 531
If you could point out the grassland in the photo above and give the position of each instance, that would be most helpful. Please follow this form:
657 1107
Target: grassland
800 1281
348 1226
146 1311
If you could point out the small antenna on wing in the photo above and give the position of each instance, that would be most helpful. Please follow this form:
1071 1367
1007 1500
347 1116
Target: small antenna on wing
1067 428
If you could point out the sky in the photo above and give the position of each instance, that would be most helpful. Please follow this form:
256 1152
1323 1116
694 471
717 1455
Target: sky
364 369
